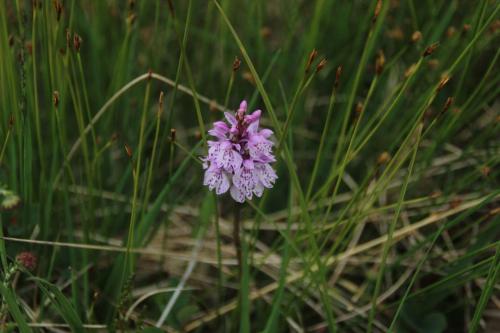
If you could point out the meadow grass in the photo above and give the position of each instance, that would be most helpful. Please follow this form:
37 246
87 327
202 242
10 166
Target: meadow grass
386 126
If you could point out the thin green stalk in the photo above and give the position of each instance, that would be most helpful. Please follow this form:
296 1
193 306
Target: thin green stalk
489 285
218 235
149 176
367 49
319 153
349 147
271 325
293 106
180 66
236 237
392 227
414 19
414 277
3 252
4 146
481 10
189 73
229 89
389 109
35 93
86 98
136 172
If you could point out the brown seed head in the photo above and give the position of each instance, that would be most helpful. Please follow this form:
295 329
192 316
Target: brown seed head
486 170
247 76
430 49
466 28
59 8
396 33
171 7
236 64
383 158
131 4
379 62
11 40
68 39
128 150
310 60
416 36
444 81
376 13
27 260
212 106
450 32
160 104
410 70
77 42
160 99
321 65
266 32
338 73
358 110
131 19
55 98
29 48
447 104
433 63
173 132
495 26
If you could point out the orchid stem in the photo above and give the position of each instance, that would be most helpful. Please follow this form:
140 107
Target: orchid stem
236 236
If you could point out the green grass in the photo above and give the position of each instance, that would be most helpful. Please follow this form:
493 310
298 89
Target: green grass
385 214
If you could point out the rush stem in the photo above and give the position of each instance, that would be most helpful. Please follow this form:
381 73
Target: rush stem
236 236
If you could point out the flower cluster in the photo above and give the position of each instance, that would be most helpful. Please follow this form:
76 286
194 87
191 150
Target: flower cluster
239 161
8 199
27 260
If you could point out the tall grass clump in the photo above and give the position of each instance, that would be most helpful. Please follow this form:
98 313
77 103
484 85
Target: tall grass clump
383 214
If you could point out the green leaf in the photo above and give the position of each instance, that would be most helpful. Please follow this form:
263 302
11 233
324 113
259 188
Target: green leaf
13 308
487 290
61 304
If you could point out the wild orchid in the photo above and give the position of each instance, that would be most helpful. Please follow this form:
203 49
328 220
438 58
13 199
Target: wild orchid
240 159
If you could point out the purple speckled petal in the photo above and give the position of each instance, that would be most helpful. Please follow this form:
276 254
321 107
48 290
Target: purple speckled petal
245 179
216 179
230 118
237 194
266 133
259 189
266 175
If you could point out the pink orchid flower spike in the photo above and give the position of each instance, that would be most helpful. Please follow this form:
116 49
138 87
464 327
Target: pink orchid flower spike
239 160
